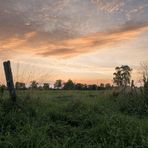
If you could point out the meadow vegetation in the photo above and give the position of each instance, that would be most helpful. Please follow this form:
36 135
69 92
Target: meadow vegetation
73 119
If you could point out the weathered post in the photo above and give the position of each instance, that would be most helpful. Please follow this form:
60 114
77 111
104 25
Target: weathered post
9 80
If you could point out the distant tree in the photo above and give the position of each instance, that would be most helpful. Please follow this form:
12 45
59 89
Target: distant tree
145 80
117 77
79 86
102 86
85 87
20 85
58 84
40 87
34 84
69 85
145 73
108 86
46 86
122 76
92 87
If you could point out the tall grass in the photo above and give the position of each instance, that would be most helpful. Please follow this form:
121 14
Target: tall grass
70 119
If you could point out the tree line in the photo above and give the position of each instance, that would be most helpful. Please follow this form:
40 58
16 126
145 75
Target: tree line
60 85
121 79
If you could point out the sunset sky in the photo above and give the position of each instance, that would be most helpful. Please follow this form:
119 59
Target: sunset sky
82 40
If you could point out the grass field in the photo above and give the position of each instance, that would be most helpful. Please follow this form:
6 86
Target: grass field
72 119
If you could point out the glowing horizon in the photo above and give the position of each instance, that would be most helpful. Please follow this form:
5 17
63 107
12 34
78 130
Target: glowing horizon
82 40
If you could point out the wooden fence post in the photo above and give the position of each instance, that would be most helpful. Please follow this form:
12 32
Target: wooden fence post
9 80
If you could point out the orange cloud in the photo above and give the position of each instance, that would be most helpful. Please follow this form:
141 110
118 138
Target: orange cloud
14 42
93 42
72 47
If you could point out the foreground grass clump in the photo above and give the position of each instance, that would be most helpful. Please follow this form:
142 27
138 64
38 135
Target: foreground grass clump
69 119
132 104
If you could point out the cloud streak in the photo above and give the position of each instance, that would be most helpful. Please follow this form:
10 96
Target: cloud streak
32 42
94 42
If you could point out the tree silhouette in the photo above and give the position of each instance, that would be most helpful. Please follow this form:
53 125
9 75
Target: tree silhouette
122 76
92 87
79 86
145 80
58 84
34 85
102 86
107 86
46 86
69 85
